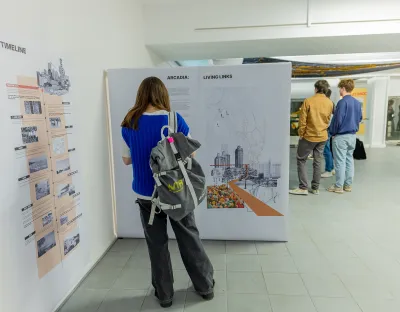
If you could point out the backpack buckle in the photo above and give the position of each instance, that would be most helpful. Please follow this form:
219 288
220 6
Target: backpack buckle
178 157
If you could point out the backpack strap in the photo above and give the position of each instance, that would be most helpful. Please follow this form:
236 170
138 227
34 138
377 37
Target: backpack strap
154 202
172 122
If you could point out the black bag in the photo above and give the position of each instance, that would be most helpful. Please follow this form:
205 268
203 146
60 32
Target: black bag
359 152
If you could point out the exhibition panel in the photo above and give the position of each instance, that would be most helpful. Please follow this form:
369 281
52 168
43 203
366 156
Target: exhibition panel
240 116
41 205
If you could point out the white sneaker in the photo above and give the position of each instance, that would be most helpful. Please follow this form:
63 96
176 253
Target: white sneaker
335 189
298 192
327 174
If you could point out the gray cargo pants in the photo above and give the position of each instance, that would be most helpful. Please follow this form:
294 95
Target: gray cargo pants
194 257
304 149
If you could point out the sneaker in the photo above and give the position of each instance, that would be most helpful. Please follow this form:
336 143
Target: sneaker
298 191
314 192
327 174
209 296
335 189
333 172
347 188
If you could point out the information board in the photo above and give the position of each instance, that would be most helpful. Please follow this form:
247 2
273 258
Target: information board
240 115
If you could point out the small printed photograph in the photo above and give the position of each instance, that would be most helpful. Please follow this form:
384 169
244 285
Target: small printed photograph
29 135
64 219
55 122
63 190
33 107
71 241
47 219
59 145
71 190
62 165
38 163
46 243
42 189
222 196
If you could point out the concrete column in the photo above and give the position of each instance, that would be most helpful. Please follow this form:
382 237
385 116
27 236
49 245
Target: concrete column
376 110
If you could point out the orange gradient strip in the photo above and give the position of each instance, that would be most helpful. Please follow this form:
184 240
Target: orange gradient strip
260 208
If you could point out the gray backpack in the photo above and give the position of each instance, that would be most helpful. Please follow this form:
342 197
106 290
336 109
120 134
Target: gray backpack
180 184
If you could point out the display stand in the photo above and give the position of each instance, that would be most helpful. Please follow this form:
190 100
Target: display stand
240 115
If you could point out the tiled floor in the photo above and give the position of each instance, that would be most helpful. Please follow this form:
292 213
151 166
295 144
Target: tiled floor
343 256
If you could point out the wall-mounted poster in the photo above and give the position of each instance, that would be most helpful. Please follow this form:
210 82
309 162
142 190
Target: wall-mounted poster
41 140
361 95
295 105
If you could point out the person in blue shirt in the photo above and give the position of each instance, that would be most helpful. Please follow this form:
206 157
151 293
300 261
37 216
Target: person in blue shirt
344 126
141 131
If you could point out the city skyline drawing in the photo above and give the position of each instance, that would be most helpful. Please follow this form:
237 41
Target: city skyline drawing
242 172
54 81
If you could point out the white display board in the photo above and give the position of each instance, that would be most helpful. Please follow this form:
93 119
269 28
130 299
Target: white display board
240 115
41 209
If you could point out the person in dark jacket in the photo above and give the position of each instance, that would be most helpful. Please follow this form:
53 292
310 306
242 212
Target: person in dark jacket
344 126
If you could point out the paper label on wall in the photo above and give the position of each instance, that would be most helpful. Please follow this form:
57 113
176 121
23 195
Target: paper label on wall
46 172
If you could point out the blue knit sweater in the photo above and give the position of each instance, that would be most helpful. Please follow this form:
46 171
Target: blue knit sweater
347 117
141 142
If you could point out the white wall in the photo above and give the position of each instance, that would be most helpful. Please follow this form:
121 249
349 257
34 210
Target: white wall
394 86
91 35
377 96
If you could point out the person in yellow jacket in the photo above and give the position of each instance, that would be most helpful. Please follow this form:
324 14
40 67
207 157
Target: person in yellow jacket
315 116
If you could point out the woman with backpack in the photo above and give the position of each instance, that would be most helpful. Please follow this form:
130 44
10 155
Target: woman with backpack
141 131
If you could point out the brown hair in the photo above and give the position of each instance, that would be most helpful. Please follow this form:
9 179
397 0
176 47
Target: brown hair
347 84
152 91
328 93
322 86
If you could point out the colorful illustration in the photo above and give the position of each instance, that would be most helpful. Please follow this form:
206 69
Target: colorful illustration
295 106
361 95
315 70
242 185
223 197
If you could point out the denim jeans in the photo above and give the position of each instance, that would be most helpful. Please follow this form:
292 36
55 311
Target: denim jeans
343 149
193 255
328 156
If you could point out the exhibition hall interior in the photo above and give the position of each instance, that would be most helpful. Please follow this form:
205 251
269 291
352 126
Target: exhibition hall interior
240 77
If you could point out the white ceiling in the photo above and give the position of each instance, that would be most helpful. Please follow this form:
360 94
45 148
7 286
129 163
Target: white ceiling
225 29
